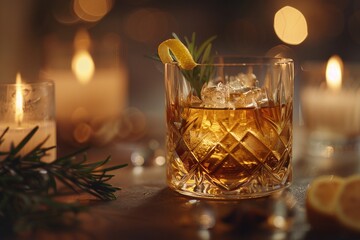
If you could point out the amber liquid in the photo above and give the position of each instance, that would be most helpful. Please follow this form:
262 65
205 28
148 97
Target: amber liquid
224 153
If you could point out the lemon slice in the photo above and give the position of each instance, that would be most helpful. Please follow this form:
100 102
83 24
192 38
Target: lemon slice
347 209
178 49
321 199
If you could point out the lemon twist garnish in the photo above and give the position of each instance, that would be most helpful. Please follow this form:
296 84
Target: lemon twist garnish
178 49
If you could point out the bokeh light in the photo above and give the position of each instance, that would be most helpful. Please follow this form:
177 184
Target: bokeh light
290 25
160 161
63 12
92 10
137 159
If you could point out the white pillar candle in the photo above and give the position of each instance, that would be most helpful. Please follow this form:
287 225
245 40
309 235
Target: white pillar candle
336 114
96 103
333 111
91 88
104 96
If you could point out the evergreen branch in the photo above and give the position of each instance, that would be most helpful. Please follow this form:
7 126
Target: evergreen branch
29 187
200 74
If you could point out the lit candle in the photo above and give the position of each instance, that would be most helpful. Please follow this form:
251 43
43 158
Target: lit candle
88 97
23 107
334 111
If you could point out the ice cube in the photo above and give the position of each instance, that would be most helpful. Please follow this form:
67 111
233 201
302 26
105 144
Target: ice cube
235 84
241 81
194 101
252 97
239 91
214 95
249 80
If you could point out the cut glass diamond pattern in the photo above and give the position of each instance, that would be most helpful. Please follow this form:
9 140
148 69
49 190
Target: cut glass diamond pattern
220 157
188 159
228 171
229 141
245 158
255 146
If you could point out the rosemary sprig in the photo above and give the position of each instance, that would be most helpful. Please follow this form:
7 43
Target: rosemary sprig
202 55
199 75
29 191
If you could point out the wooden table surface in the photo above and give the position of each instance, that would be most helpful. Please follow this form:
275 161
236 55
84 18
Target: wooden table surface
147 209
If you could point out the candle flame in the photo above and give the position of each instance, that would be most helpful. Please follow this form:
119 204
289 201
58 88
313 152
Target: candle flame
83 66
82 63
334 70
19 100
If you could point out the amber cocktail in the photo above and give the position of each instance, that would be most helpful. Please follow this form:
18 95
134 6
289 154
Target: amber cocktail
230 138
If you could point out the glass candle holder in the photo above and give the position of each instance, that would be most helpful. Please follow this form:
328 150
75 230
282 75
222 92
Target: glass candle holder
229 127
24 106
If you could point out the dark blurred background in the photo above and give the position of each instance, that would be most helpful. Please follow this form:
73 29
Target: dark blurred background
35 34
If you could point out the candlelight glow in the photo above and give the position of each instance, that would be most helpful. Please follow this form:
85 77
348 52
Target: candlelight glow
83 66
290 25
334 72
19 100
82 63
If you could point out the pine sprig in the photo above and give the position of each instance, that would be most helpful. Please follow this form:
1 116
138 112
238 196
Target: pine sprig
29 187
202 55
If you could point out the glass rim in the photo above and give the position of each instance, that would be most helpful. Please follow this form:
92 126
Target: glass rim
234 60
35 84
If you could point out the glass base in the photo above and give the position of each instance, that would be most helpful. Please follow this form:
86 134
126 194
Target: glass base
233 196
209 192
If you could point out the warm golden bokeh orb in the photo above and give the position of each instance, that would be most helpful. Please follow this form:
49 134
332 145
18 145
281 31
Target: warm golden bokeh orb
92 10
290 25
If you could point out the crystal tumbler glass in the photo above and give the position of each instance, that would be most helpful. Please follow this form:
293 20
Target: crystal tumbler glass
229 127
